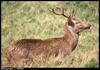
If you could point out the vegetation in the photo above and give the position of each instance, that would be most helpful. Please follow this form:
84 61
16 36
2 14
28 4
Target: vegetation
36 20
92 63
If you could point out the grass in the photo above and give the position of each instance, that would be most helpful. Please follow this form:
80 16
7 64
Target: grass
36 20
92 63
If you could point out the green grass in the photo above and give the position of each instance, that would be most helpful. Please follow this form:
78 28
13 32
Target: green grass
36 20
92 63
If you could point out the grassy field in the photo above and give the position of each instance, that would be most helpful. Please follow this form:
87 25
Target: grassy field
36 20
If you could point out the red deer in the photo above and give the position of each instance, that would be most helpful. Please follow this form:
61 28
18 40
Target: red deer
27 48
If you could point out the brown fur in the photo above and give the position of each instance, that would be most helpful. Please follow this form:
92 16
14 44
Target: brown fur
27 48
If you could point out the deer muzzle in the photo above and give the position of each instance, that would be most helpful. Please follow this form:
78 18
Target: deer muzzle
88 26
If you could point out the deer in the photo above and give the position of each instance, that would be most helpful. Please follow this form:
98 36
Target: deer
27 48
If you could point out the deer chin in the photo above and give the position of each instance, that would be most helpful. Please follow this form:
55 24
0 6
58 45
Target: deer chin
87 28
80 30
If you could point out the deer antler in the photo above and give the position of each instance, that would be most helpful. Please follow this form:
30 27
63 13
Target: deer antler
73 11
59 11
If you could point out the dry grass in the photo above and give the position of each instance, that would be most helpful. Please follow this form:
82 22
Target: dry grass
35 20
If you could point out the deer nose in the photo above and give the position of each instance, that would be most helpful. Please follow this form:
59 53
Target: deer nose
88 27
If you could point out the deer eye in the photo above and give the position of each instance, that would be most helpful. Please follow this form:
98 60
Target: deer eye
78 22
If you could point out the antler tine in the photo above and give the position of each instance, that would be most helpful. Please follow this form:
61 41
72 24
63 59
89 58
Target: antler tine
59 11
73 12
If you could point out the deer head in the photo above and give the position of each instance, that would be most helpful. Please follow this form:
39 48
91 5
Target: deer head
72 22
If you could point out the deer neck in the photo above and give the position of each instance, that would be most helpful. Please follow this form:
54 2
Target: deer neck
71 37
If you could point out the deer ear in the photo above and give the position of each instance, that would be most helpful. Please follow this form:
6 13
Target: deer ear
70 22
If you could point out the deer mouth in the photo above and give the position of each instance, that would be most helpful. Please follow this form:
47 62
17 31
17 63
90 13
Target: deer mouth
87 27
84 28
